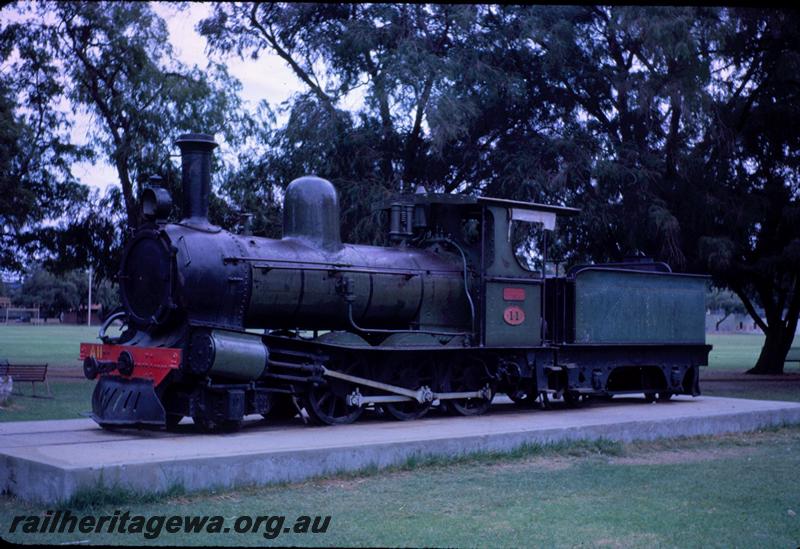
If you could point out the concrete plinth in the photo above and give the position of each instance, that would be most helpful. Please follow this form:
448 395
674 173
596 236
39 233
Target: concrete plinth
48 461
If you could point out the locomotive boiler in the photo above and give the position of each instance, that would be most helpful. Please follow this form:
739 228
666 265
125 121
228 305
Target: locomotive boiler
220 325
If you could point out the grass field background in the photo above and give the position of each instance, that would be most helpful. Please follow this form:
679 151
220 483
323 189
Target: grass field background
59 345
54 344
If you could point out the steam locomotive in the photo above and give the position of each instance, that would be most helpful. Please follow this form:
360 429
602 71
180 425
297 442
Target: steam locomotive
220 325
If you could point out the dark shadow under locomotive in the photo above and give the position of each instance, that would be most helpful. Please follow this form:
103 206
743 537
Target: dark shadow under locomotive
221 325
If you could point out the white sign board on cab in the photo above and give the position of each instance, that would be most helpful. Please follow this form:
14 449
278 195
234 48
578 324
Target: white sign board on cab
547 219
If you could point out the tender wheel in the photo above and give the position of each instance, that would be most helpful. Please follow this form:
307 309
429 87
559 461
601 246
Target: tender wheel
649 397
469 376
411 376
664 396
326 404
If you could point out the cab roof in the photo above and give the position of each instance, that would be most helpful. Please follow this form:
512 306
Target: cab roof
463 200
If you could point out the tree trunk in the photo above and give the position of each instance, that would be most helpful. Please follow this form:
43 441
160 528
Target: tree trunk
773 354
127 189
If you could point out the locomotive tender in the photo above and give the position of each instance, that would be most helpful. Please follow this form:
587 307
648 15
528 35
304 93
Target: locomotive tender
221 325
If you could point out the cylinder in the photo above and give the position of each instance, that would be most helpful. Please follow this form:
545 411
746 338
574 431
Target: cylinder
195 174
227 354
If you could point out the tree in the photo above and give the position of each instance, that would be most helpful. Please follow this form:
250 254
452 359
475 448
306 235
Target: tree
120 67
58 293
36 155
114 63
727 302
437 99
748 164
694 116
92 236
52 294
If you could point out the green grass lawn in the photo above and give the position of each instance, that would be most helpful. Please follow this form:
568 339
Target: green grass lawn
789 392
70 400
734 354
734 351
727 491
54 344
57 345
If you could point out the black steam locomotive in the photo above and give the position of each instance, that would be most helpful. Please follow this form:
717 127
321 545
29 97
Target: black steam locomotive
221 325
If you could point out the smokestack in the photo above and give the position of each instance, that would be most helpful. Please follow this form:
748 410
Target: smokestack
196 175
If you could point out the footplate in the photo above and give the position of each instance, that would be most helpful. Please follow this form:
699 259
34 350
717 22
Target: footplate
118 402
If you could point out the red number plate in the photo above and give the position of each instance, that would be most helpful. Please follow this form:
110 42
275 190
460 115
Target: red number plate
514 294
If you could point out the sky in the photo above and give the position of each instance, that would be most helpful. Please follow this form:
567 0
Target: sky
268 78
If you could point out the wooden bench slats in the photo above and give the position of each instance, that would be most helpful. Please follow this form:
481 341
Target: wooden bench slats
27 373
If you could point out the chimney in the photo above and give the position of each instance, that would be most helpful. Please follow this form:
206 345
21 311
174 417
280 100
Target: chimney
196 176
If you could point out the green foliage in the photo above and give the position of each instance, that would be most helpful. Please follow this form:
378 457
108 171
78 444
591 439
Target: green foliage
725 301
55 294
35 150
112 61
122 69
747 166
51 293
441 105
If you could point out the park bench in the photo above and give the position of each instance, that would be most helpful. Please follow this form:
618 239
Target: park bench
29 373
793 355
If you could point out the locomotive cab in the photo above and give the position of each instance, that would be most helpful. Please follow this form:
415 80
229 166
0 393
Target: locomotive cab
506 292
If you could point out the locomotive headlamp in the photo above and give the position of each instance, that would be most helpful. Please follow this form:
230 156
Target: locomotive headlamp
156 201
